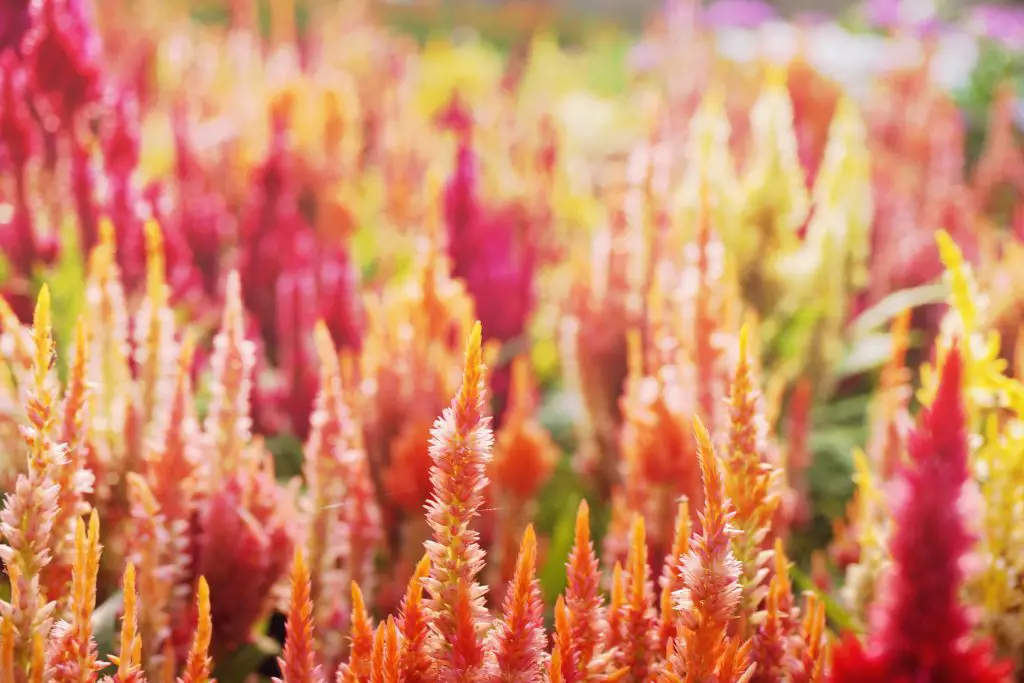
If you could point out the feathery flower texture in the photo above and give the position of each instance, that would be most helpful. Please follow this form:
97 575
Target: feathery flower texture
331 357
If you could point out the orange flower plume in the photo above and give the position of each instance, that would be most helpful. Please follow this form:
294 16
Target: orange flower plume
461 449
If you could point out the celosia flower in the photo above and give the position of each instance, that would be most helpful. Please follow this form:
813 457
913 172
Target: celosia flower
198 664
63 51
518 639
15 20
711 590
638 651
751 481
72 653
359 668
298 665
461 449
417 664
129 658
919 627
29 512
386 662
671 578
584 606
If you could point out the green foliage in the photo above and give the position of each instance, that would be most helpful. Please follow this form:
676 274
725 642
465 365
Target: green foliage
68 295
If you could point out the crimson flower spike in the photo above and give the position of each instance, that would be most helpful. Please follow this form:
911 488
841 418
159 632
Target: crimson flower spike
460 447
519 639
299 662
920 630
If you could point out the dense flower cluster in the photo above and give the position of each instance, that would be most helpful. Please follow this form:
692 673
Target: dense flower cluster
327 330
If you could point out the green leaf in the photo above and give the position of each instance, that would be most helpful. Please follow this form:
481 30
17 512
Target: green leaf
892 305
244 661
834 612
553 576
104 624
67 290
865 355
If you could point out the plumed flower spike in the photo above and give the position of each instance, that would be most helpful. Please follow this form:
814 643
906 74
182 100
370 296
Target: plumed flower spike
920 630
583 600
639 649
299 662
73 654
129 658
197 668
357 669
228 421
460 448
519 640
750 481
416 661
710 575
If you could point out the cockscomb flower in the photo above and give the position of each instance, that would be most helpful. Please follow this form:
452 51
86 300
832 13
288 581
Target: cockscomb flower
358 668
244 537
711 589
161 571
28 515
63 49
814 652
751 483
671 578
330 453
72 653
460 447
129 658
15 19
386 662
417 665
198 665
587 652
919 627
772 645
518 640
298 665
638 651
777 201
228 420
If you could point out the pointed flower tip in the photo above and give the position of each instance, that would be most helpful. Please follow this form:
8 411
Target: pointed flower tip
474 346
583 522
529 538
154 237
325 350
42 314
744 342
107 233
948 397
703 437
299 571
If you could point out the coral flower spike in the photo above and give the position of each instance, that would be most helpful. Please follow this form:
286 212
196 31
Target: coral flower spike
920 631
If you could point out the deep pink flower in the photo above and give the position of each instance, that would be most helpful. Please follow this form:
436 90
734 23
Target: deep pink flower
14 22
63 50
920 630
